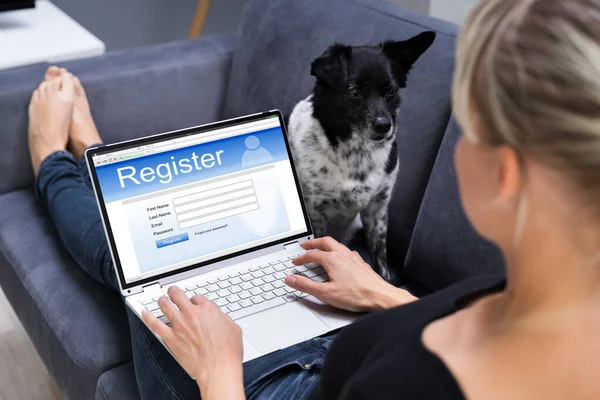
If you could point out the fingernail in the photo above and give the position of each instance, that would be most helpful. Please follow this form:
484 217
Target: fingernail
290 280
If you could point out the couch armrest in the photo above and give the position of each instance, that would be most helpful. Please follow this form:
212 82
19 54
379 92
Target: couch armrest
132 93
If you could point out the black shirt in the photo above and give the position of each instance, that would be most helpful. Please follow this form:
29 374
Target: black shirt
381 356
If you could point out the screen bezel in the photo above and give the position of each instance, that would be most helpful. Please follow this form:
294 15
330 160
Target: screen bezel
96 151
13 5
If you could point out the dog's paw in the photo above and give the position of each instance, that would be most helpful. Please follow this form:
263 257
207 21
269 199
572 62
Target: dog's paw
386 273
380 266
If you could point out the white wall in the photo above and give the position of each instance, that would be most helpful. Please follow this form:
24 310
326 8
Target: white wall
451 10
123 24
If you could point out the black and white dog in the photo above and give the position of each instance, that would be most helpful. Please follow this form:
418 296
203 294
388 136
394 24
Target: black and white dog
343 138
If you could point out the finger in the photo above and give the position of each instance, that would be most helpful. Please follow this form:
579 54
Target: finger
168 308
156 325
357 255
304 284
326 244
179 298
313 256
198 299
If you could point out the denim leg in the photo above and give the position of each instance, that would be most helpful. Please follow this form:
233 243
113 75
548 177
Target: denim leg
85 173
72 206
158 375
293 373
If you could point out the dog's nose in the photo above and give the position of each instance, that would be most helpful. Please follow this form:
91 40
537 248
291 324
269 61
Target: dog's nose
382 125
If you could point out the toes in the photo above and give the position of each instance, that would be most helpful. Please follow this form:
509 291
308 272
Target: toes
52 72
68 84
42 88
35 96
54 84
78 86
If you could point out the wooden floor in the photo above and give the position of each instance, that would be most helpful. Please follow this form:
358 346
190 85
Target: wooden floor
23 376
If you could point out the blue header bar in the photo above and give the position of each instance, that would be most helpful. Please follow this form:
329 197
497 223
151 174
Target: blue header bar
190 164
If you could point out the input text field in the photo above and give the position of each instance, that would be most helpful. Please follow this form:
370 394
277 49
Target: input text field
216 208
229 196
214 217
213 192
218 202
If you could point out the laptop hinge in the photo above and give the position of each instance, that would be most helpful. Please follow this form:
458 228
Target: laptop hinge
290 246
153 290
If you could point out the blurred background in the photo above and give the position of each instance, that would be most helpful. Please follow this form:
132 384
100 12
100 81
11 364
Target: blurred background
159 21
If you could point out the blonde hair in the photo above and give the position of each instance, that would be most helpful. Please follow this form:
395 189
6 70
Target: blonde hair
529 70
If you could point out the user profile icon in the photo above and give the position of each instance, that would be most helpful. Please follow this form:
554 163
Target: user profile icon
252 142
255 154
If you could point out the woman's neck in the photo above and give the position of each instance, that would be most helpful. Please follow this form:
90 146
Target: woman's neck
552 271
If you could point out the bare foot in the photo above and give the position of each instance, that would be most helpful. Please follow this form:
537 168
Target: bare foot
50 114
54 72
83 132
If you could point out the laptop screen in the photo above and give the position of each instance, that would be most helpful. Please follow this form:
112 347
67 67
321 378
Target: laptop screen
186 200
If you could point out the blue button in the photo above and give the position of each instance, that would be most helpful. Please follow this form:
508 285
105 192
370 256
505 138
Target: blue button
172 240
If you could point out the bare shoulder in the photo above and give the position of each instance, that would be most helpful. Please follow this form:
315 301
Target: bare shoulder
495 362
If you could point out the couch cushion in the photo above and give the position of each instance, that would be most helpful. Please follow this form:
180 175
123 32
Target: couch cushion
132 93
271 69
118 384
445 248
279 39
78 327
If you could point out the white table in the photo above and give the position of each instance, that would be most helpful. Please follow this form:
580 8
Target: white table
43 34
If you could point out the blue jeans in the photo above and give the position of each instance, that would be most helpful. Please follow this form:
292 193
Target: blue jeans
64 186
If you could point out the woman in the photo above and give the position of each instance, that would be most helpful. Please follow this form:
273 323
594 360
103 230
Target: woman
527 94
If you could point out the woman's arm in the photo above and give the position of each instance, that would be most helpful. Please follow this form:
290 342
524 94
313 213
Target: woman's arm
352 286
206 342
224 382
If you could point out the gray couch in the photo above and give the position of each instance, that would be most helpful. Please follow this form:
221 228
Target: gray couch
79 328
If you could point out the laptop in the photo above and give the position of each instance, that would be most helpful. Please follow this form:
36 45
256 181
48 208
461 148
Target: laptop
216 210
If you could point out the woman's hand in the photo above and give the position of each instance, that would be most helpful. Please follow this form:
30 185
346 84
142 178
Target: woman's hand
352 286
206 342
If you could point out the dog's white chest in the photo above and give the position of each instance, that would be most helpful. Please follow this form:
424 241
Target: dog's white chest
338 182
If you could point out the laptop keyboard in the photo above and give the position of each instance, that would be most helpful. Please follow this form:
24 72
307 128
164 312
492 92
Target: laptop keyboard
251 290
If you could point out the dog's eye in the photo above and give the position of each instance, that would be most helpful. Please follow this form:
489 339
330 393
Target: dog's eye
353 92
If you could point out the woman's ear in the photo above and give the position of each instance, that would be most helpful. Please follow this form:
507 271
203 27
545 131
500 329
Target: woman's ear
510 174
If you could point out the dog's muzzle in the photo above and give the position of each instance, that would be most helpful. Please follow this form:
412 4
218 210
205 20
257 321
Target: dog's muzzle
382 128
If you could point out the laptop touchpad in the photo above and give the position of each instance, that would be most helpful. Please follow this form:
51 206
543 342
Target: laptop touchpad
278 327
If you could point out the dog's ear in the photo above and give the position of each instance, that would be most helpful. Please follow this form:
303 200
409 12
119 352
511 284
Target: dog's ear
403 54
331 67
